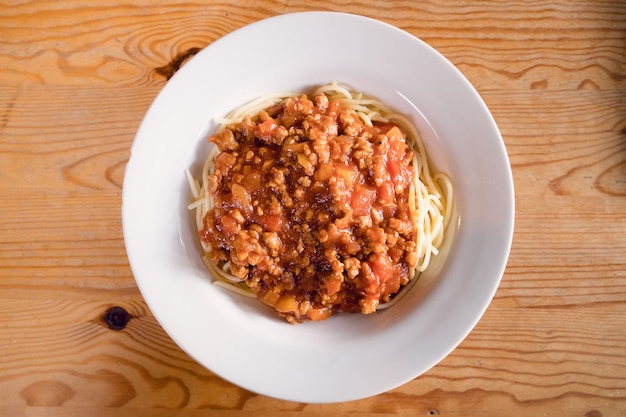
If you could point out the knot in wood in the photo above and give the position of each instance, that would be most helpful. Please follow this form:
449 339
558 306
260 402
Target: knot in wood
116 318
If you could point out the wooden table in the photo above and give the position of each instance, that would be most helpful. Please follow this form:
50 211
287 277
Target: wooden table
76 79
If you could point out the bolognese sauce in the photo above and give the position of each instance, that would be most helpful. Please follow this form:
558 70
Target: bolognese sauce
311 208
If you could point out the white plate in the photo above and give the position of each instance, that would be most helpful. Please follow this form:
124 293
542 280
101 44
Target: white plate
348 356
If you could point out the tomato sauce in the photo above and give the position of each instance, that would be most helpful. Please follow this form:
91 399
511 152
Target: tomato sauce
311 208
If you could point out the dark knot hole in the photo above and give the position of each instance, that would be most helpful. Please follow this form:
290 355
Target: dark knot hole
116 318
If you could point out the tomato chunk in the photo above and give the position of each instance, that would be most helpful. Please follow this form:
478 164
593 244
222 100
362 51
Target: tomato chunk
241 198
252 181
386 194
229 226
400 173
384 127
362 199
382 266
224 161
388 275
349 173
333 285
324 172
271 222
266 129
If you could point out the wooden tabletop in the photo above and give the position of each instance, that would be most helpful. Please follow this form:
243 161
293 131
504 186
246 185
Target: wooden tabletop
76 336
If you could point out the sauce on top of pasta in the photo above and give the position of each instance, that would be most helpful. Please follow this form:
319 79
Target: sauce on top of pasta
312 208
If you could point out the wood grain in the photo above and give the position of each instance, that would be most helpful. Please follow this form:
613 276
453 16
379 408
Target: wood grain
77 77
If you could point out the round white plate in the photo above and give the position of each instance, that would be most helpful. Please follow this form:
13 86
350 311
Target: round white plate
349 356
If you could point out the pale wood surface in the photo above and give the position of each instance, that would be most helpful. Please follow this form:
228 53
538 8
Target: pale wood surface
76 79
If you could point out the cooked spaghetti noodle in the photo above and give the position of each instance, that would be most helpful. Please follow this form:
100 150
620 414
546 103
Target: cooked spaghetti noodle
319 203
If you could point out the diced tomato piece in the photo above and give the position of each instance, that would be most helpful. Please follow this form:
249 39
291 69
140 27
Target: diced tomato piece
241 198
369 282
225 161
395 171
324 172
229 226
362 199
319 314
382 266
397 145
394 133
386 194
270 297
266 129
349 173
384 127
333 285
271 222
252 181
400 173
286 304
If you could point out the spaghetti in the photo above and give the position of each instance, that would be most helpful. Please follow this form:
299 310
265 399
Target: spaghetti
319 203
